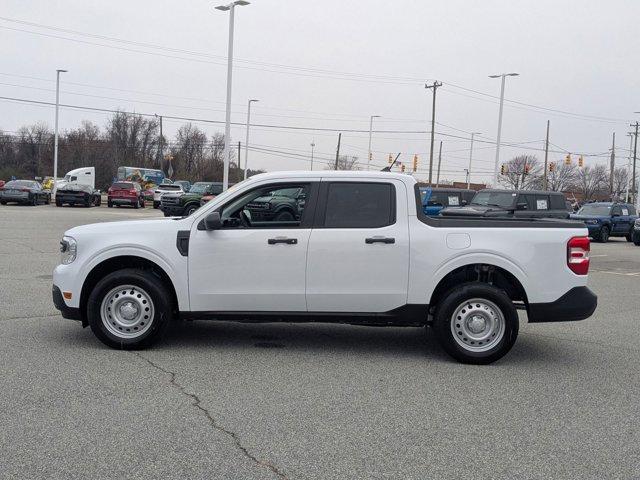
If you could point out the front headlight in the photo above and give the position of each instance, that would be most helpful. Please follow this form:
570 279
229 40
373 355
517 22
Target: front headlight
592 222
68 250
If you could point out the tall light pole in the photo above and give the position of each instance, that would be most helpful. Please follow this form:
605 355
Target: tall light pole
55 138
246 141
473 134
313 145
495 166
370 132
227 128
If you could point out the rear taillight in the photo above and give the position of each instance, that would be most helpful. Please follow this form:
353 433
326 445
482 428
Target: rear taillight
578 255
133 192
25 190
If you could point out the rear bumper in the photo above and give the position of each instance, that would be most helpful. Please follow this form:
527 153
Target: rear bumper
15 197
70 313
71 197
577 304
122 200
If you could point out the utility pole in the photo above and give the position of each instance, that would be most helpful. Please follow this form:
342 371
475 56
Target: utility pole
313 144
435 86
546 159
630 135
497 161
246 140
239 170
613 164
439 162
160 145
55 141
338 150
470 159
370 132
633 169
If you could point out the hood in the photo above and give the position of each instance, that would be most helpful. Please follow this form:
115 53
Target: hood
151 226
575 216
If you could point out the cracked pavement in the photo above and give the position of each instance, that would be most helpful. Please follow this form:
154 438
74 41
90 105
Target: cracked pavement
225 400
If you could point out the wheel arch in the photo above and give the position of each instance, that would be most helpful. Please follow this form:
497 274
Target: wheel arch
483 272
120 262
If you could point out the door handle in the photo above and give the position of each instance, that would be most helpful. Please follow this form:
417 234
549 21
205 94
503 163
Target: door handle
379 240
288 241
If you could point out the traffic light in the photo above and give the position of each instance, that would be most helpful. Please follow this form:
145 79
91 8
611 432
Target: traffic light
581 162
402 168
390 158
552 167
567 159
370 157
503 169
415 163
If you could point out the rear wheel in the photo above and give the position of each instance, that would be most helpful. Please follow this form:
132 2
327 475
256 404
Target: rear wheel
476 323
34 200
97 201
58 203
47 200
129 309
285 216
136 204
109 204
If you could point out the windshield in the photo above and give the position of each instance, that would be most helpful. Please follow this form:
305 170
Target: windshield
122 186
20 184
173 187
494 199
600 210
286 192
199 187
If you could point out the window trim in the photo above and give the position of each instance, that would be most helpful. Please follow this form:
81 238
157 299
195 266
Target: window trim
323 195
308 214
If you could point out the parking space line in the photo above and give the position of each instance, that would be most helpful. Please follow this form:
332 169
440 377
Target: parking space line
627 274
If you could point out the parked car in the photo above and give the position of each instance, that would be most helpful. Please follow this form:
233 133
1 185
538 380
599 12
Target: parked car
635 236
608 219
360 253
125 193
78 194
163 188
282 205
434 199
27 192
177 205
515 203
213 192
186 185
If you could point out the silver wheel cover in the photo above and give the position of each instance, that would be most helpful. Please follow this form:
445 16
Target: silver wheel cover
127 311
477 325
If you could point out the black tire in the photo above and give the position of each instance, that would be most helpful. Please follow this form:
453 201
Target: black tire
284 216
33 201
603 236
629 236
142 203
156 205
109 204
443 323
636 239
160 302
3 202
47 200
136 204
87 203
58 203
98 201
189 209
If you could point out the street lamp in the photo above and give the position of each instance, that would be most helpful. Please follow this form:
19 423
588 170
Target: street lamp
246 142
313 145
55 141
227 128
495 166
370 131
473 134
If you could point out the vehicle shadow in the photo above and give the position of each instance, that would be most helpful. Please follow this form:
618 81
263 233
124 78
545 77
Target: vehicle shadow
317 338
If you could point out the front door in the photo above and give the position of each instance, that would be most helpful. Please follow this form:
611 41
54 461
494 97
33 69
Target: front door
257 261
358 257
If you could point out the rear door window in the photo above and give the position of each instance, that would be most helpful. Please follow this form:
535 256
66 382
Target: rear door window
359 205
558 202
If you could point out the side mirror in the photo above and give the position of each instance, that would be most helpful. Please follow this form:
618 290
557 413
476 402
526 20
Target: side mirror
463 203
521 206
212 221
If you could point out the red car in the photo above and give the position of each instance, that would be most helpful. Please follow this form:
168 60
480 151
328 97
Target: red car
125 193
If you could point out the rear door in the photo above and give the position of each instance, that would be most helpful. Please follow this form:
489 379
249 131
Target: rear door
358 257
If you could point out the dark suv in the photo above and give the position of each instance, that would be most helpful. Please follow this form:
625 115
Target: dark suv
608 219
517 203
184 204
434 199
284 205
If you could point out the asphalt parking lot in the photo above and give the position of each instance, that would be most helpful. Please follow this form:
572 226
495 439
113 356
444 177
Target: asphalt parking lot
224 400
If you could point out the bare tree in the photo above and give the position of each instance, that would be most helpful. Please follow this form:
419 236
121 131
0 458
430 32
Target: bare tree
620 181
515 176
563 178
345 162
591 180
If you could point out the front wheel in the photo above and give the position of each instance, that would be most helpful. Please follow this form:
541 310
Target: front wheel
476 323
636 239
58 203
189 210
129 309
603 237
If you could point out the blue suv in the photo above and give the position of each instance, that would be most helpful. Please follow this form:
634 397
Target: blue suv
434 199
608 219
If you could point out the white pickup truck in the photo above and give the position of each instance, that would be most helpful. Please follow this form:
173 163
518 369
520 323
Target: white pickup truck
354 249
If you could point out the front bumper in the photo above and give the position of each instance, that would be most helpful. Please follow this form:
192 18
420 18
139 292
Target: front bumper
70 313
172 210
577 304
